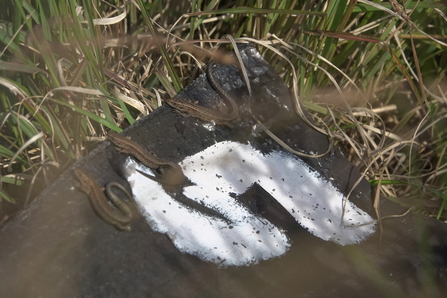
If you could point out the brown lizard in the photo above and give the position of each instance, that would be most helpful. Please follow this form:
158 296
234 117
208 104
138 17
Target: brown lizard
187 108
108 213
170 172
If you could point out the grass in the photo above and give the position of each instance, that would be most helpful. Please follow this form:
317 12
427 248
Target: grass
372 72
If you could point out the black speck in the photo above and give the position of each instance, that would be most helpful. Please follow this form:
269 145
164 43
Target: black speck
218 176
164 211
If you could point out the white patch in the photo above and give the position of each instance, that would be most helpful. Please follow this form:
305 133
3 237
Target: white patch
244 238
211 126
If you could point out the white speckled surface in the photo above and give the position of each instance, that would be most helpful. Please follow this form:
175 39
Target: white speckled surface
230 167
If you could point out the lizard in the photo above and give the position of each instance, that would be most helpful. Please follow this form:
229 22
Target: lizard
99 201
169 172
187 108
